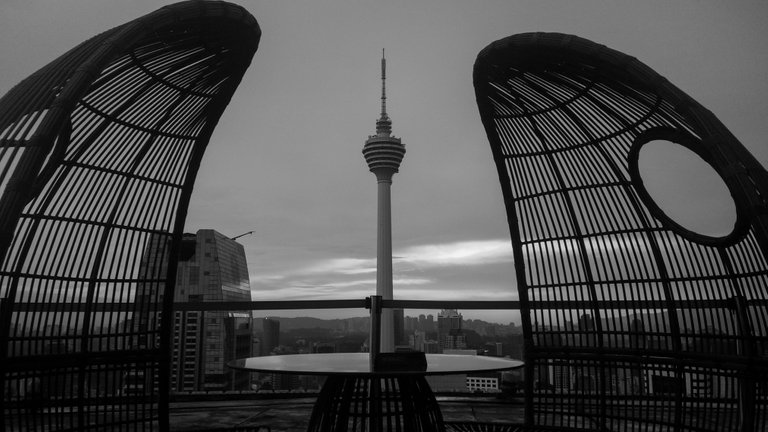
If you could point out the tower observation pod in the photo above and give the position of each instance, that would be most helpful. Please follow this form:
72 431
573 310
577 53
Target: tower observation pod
383 153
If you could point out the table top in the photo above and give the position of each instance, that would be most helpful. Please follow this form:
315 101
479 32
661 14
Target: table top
359 364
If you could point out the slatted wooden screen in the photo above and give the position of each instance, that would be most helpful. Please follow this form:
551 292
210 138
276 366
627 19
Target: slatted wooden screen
98 155
632 322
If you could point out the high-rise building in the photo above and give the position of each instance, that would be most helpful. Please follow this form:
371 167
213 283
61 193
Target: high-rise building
449 332
431 347
269 341
448 319
256 346
383 154
429 325
416 340
271 338
211 268
398 318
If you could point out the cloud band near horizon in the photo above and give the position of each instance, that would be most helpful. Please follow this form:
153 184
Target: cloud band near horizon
420 271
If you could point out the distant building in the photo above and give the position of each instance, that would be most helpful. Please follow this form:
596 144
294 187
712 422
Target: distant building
269 342
323 348
586 335
638 340
585 379
271 338
284 381
422 323
398 318
554 374
416 340
456 339
494 349
487 383
449 333
256 347
430 324
561 375
411 325
637 335
512 381
448 319
211 268
431 347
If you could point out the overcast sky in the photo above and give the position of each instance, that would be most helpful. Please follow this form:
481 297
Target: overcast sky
285 160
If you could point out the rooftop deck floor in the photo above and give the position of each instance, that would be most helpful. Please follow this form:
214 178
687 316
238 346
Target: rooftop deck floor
293 414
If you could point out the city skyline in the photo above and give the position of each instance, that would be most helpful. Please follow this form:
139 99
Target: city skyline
285 162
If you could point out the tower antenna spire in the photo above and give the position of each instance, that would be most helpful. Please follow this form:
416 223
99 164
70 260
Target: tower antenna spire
383 85
383 124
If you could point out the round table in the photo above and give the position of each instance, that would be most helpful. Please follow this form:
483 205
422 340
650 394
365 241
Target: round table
356 398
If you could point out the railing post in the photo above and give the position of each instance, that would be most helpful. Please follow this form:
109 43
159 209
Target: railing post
375 336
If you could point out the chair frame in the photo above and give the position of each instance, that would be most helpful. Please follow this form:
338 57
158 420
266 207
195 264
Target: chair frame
613 291
99 151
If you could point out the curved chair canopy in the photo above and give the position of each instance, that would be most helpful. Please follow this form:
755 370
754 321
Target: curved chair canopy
632 321
98 155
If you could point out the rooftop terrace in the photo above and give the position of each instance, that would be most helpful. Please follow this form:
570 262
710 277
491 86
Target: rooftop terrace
292 413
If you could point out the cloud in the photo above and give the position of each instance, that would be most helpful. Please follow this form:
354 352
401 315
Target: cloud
266 279
372 282
412 289
315 285
465 253
340 277
349 266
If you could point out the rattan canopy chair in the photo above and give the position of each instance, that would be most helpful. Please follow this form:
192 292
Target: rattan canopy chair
98 155
632 322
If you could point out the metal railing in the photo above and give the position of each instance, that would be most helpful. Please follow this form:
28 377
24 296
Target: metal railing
255 305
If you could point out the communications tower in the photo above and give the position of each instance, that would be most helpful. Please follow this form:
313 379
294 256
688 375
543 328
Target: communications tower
383 153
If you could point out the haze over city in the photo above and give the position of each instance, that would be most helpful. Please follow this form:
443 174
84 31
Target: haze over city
285 160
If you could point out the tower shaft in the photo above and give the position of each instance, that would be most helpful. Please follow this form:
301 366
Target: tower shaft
384 263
